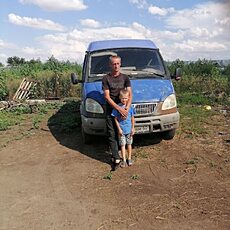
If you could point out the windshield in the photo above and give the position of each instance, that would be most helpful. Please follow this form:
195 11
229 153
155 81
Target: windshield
137 63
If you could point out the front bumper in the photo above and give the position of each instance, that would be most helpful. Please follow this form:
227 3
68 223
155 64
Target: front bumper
150 124
159 123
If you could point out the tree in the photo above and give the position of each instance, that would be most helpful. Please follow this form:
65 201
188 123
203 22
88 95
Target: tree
15 61
34 61
176 64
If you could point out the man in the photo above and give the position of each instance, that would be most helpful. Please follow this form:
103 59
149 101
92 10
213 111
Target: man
111 85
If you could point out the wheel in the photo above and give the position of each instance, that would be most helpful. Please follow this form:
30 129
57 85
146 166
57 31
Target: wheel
86 138
168 135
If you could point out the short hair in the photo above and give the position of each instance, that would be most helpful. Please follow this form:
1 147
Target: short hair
114 57
124 92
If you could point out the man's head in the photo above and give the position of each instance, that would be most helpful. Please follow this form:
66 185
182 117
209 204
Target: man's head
115 64
124 96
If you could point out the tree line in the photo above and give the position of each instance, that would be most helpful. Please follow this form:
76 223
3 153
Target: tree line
201 67
195 74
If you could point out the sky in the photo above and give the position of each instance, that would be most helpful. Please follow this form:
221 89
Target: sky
182 29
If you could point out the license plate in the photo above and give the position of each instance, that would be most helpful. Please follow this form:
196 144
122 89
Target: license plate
142 129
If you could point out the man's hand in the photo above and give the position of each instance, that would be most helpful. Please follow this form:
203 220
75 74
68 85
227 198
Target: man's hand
123 112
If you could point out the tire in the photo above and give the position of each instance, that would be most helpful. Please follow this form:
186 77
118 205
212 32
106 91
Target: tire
86 138
168 135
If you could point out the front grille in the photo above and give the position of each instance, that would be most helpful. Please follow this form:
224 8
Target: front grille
144 109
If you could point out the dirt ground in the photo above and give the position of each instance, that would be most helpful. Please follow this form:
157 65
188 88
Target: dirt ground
50 180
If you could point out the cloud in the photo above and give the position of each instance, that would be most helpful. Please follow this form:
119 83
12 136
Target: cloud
209 15
188 34
197 46
6 45
90 23
32 51
38 23
156 10
72 45
223 22
2 44
57 5
6 48
141 4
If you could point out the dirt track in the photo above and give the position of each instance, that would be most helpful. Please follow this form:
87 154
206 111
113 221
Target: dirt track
49 180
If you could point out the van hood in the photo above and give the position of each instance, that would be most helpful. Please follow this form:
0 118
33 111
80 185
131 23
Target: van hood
144 90
151 90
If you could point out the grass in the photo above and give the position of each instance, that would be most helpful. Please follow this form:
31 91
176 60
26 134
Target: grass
188 98
193 114
141 153
37 120
192 161
108 176
193 118
67 118
135 177
24 119
18 115
8 119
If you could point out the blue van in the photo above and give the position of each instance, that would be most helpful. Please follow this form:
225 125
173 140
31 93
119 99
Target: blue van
154 97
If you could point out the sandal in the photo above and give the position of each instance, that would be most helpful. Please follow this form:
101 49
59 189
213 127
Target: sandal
123 164
129 162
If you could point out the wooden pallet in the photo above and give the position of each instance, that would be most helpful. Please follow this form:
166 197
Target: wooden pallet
23 90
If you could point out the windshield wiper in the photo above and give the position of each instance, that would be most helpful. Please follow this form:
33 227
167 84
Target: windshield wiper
147 74
96 77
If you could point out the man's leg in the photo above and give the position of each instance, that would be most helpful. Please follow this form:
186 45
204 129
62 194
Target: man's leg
112 137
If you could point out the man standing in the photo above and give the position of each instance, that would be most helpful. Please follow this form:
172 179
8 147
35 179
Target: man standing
111 85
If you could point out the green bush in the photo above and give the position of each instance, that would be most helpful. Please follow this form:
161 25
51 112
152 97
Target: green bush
203 90
202 82
53 77
3 88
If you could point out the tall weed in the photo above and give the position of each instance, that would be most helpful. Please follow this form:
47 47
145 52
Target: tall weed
203 90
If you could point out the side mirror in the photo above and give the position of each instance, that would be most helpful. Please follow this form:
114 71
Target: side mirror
74 79
178 74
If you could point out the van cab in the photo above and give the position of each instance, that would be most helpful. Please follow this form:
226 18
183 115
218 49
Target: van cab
154 97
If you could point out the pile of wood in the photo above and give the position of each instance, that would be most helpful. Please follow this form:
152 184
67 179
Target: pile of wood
8 105
21 97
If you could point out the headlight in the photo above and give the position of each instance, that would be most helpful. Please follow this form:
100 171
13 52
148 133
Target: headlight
93 106
170 102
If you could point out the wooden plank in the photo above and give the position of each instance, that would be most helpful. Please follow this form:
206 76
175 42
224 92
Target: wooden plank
15 95
23 90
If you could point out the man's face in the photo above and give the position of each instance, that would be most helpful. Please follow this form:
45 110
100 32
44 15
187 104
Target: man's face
115 64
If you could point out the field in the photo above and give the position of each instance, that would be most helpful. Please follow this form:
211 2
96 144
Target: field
50 180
